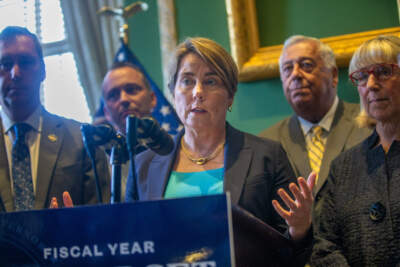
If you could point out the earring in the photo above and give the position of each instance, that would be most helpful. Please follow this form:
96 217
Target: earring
230 108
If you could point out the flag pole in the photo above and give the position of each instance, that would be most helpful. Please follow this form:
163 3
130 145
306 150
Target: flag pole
117 153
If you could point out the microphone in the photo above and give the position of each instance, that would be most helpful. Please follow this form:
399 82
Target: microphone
151 134
94 136
98 135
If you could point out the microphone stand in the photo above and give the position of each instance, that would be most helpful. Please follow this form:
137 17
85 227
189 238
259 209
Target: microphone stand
117 158
89 146
131 141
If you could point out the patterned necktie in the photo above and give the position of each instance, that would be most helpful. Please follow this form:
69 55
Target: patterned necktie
316 148
21 169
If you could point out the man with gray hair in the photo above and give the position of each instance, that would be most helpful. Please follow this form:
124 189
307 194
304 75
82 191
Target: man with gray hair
323 126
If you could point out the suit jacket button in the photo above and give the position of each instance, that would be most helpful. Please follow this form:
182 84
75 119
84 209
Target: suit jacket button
377 212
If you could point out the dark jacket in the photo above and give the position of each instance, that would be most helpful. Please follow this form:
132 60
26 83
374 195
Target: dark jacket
63 166
360 215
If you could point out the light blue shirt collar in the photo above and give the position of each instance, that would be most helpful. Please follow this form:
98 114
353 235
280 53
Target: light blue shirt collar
326 121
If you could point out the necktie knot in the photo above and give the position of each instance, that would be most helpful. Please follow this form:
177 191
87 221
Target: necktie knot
20 130
317 131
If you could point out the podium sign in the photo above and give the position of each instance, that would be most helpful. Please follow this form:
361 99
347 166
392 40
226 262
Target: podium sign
185 232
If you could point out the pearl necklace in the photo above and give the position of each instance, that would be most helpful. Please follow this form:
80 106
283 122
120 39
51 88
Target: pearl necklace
201 160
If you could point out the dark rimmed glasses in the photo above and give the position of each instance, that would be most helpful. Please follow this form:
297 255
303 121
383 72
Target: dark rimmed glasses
381 72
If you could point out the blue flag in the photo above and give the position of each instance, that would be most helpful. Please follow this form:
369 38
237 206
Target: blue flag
164 113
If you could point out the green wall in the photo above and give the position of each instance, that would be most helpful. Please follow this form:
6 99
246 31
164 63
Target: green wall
322 18
260 104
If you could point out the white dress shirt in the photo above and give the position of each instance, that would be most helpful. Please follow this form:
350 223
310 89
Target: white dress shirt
325 123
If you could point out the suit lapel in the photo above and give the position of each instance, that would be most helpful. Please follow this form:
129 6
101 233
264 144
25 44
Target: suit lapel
237 162
341 127
159 171
5 182
295 146
50 143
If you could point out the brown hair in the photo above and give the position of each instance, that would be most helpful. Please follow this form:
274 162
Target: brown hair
213 54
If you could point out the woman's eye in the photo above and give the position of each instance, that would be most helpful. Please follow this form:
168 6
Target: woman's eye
186 82
383 71
211 82
362 75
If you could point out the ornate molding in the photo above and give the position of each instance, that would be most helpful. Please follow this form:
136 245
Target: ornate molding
257 63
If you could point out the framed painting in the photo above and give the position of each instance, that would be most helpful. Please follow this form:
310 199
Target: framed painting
256 62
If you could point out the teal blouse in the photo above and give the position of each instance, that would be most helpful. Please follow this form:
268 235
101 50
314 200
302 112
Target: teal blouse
189 184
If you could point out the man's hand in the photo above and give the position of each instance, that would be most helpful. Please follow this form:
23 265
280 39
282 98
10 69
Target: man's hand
67 200
298 217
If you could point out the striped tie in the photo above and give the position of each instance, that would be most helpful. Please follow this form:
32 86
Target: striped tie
316 148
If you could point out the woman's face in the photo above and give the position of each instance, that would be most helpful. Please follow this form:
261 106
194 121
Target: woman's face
380 93
201 99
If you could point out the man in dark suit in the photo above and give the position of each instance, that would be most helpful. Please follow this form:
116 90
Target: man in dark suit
41 155
126 91
310 76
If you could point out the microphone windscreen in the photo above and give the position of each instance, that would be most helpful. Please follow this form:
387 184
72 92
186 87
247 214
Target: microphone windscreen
155 138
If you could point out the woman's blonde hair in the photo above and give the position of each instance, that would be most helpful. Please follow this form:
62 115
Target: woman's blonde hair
382 49
213 54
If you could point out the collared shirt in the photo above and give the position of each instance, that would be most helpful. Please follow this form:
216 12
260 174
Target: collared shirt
35 120
325 123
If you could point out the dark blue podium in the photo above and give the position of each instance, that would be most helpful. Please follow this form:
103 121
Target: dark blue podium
185 232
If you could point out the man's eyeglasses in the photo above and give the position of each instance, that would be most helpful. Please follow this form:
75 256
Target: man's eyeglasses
381 72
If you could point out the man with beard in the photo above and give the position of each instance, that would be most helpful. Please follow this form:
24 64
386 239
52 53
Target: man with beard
126 91
41 155
323 126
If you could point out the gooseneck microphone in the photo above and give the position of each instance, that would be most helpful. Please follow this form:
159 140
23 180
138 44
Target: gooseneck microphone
146 131
98 135
153 136
105 134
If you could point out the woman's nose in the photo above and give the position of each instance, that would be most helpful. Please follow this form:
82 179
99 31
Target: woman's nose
198 90
372 81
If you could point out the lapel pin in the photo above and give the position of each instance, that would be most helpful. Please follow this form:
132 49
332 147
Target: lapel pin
52 138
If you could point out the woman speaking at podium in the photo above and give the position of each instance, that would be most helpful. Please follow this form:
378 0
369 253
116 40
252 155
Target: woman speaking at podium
210 156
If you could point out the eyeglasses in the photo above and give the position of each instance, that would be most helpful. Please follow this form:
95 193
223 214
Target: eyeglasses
381 72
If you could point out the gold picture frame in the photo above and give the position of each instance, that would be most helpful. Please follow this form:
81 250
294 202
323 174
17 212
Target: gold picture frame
257 63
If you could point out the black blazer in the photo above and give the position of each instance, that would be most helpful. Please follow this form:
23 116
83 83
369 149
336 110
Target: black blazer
254 170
